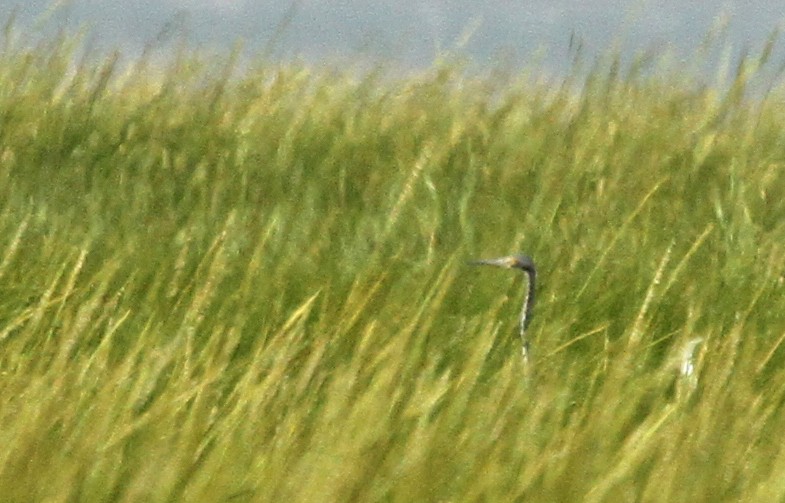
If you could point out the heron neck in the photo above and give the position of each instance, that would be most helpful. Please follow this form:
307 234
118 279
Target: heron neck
528 302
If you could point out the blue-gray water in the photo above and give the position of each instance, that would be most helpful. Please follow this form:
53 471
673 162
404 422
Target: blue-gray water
411 34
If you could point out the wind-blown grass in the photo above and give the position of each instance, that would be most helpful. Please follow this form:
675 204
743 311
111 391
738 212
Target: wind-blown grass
251 286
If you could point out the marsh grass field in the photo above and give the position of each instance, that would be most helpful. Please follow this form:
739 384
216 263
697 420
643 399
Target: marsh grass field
250 285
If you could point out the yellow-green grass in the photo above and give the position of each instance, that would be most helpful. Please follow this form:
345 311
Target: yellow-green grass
224 285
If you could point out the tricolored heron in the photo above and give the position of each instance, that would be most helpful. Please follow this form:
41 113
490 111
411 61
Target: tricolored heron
525 264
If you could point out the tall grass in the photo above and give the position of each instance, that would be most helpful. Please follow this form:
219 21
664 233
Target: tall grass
250 286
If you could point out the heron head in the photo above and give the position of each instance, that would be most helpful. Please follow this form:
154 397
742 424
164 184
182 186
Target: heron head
522 262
